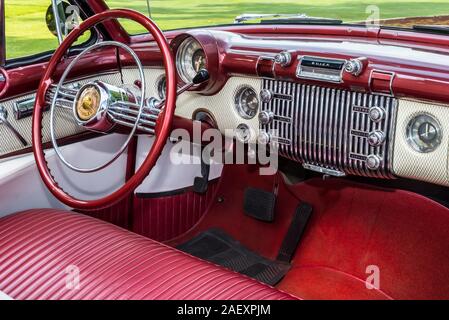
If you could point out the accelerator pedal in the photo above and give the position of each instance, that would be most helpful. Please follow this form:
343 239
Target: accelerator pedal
295 232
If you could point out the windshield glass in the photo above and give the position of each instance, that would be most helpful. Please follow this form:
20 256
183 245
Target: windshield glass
174 14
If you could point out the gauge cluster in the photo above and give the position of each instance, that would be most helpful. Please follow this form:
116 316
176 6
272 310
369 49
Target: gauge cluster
190 58
247 102
194 51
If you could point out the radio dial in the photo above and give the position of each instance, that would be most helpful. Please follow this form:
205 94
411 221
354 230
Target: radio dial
354 67
284 59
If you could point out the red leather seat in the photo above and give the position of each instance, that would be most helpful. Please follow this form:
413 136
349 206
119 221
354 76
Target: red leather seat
43 251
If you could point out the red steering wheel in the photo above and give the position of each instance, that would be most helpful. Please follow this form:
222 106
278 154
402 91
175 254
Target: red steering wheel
163 124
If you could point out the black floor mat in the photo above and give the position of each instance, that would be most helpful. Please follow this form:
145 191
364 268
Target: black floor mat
216 246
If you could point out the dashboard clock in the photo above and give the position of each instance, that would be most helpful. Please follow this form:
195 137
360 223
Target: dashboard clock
424 133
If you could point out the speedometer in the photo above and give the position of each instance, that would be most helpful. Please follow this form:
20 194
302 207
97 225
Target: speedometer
190 58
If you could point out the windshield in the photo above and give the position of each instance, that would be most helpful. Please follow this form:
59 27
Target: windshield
175 14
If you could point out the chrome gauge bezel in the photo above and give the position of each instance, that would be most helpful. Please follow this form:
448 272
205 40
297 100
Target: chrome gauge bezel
184 59
239 102
161 87
413 136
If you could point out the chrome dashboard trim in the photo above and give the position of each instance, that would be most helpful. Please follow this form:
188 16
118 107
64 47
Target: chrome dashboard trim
301 74
329 127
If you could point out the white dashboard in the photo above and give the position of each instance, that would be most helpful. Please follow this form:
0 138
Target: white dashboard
404 159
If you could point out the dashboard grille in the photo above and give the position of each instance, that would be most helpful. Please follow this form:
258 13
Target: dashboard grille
328 127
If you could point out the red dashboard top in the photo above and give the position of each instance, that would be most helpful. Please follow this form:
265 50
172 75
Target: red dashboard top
418 63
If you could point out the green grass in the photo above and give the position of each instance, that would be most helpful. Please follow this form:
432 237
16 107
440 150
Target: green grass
26 29
26 32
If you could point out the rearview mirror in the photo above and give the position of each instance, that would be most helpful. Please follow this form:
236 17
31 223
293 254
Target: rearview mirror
68 18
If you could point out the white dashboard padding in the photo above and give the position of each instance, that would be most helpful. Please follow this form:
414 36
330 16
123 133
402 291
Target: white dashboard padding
407 163
221 106
64 123
21 187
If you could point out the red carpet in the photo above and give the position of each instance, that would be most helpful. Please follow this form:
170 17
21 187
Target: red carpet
353 226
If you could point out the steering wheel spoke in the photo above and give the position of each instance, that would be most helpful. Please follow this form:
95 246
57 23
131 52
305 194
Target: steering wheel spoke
131 116
65 98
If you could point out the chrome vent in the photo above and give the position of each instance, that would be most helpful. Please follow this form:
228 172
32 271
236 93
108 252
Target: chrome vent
329 128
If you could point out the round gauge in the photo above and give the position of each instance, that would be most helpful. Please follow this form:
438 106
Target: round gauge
424 133
161 87
247 102
198 60
190 58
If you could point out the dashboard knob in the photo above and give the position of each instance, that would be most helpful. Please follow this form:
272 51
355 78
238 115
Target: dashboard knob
264 137
377 114
354 67
373 162
284 59
376 138
266 95
243 133
265 117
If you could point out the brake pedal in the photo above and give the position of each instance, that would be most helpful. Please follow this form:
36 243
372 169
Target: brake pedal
259 204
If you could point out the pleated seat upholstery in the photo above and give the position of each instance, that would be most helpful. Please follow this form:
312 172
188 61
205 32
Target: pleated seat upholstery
54 254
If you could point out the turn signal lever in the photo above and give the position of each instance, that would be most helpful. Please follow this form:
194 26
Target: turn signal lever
201 77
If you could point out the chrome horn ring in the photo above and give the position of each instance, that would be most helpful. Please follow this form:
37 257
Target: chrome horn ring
56 95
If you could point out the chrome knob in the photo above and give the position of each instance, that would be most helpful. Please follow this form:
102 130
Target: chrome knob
264 137
376 138
266 95
373 162
377 114
354 67
243 133
284 59
265 117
